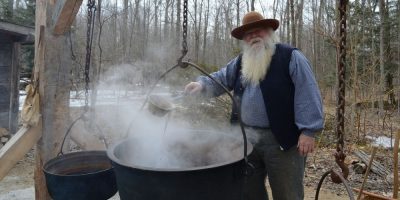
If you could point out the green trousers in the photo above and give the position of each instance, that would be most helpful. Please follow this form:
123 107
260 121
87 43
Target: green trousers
284 169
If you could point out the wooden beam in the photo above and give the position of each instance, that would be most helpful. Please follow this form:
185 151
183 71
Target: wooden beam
370 195
64 15
16 29
20 144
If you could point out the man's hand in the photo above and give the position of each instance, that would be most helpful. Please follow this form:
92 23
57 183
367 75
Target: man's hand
193 88
305 144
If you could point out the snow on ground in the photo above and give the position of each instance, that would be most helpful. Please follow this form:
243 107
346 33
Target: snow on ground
20 194
381 141
105 97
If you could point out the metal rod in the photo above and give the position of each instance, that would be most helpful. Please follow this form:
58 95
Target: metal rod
66 134
346 185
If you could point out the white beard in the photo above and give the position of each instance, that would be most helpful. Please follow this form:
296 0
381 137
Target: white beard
256 58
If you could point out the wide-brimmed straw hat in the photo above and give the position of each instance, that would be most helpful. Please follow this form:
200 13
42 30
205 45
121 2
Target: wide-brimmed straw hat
253 20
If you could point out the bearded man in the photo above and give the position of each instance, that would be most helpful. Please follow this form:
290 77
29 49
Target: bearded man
279 98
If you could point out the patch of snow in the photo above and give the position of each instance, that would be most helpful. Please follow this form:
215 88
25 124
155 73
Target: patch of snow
20 194
381 141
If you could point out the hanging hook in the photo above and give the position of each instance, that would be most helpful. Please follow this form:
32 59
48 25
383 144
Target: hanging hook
340 157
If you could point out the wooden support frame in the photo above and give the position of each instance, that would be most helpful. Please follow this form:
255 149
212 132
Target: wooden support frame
15 149
52 73
64 15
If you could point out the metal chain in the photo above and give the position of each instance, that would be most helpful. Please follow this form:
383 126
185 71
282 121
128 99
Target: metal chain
184 34
89 40
340 156
341 76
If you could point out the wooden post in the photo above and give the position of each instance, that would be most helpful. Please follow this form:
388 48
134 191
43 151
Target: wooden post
13 123
52 72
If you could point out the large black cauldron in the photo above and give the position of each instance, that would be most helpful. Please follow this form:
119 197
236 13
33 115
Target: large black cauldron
211 167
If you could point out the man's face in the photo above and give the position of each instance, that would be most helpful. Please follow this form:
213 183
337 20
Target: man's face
256 36
258 49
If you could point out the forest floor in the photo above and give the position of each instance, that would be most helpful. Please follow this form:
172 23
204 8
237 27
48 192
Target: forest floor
19 184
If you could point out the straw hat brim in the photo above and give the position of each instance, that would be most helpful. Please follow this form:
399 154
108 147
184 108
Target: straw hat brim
239 32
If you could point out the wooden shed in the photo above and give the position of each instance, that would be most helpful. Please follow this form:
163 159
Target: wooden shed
12 36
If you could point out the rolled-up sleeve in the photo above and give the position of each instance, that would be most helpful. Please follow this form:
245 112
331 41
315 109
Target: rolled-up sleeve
308 106
225 76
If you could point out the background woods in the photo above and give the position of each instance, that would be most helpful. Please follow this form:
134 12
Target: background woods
146 34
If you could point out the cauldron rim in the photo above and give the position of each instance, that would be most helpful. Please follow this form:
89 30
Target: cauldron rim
113 158
68 155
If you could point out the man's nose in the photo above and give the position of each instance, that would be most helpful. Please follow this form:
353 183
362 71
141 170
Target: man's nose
253 35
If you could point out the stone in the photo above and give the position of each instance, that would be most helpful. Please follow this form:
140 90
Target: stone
359 168
1 145
4 140
3 132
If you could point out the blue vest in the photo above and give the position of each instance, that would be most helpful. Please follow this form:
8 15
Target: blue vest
278 92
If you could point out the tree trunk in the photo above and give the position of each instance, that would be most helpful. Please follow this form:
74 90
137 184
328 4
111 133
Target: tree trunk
216 34
237 17
382 10
252 5
124 30
314 38
287 11
114 27
10 10
166 20
293 21
398 57
205 32
299 15
274 8
156 12
281 19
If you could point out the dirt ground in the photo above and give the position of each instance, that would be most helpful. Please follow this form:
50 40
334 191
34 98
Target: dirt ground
19 185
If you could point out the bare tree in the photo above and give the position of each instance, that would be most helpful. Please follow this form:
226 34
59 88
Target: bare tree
124 30
293 23
205 31
299 20
382 10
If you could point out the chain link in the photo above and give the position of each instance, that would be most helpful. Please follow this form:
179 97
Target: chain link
341 76
89 40
184 34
